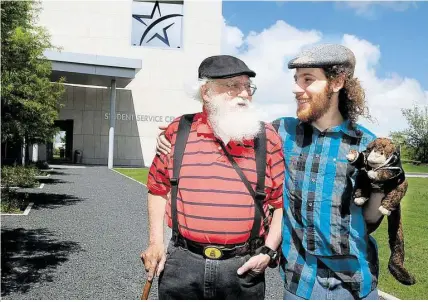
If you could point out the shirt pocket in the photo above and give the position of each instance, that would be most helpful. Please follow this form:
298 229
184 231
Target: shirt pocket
295 171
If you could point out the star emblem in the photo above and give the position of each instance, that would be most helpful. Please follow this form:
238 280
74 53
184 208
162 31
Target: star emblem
150 21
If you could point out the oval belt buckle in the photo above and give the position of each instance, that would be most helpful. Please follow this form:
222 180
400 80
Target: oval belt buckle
212 252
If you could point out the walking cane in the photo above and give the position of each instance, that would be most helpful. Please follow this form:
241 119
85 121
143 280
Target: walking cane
147 287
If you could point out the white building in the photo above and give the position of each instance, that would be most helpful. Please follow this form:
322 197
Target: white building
149 50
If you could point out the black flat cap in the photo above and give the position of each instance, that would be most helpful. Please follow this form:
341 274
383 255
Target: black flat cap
324 55
222 67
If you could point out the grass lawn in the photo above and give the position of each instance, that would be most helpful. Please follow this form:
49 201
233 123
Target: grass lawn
139 174
415 224
416 169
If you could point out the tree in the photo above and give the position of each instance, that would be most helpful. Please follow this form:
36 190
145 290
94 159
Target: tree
29 100
416 136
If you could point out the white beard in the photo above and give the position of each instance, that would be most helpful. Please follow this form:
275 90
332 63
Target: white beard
233 122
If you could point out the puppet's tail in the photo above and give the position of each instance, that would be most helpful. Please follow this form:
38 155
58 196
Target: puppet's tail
396 245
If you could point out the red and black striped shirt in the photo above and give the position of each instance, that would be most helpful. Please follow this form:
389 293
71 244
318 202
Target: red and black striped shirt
213 204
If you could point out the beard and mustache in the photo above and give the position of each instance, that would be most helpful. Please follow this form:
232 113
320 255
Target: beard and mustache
233 120
237 119
314 107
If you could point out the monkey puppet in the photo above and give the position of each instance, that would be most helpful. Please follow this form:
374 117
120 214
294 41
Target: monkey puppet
381 182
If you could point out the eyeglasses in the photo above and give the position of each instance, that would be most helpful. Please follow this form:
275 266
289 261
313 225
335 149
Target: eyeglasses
236 88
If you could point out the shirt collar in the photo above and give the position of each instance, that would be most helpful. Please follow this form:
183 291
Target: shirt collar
202 125
346 127
349 129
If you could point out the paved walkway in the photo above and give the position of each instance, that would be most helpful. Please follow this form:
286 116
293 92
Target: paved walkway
412 174
82 240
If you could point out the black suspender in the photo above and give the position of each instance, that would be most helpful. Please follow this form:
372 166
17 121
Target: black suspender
180 144
261 152
258 195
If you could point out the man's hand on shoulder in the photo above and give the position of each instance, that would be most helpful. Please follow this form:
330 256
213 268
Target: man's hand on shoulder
163 146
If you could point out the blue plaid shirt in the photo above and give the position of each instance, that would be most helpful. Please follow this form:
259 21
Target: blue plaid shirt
323 230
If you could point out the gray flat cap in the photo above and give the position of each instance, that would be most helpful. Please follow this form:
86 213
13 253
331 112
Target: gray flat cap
324 55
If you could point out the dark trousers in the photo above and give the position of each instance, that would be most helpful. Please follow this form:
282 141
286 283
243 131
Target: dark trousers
190 276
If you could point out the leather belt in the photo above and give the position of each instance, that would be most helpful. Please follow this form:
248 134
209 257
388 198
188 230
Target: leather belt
219 252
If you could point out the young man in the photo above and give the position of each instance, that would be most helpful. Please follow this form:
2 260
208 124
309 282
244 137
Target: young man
327 252
326 247
218 208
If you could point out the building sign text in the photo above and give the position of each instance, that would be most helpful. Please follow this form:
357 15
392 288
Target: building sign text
141 118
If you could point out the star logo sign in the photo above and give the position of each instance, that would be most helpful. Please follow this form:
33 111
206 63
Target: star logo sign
151 21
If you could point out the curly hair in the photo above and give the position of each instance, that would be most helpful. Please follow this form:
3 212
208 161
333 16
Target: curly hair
352 103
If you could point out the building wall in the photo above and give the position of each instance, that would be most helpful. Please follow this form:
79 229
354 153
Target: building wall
158 91
89 108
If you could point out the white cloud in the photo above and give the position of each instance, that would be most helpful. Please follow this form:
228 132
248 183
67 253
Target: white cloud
269 51
232 39
385 96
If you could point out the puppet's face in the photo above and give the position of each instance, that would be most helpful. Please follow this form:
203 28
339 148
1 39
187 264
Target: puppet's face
376 159
379 151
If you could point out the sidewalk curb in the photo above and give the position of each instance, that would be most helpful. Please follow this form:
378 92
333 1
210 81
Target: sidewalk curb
129 177
39 187
26 212
386 296
410 173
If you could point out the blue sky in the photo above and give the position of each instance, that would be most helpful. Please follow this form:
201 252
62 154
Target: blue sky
401 32
389 39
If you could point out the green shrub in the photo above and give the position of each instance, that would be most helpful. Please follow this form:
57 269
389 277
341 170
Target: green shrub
19 176
39 165
12 202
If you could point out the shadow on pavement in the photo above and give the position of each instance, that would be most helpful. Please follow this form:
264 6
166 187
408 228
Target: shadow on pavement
52 181
31 256
48 200
54 172
70 167
51 201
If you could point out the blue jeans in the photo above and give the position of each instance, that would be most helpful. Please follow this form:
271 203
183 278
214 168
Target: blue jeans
189 276
330 289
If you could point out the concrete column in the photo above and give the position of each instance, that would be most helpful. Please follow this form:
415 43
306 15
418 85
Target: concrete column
35 153
112 123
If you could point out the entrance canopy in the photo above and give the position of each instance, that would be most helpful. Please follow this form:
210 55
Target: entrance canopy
95 70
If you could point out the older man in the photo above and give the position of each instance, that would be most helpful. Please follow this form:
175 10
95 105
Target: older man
218 209
327 250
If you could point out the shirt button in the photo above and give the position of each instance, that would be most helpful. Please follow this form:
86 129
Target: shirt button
313 179
317 156
219 148
334 159
310 204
